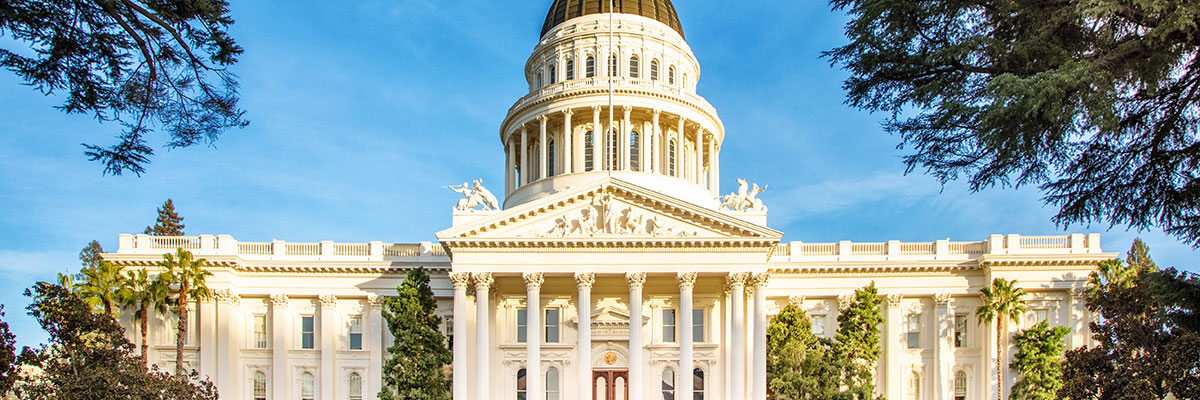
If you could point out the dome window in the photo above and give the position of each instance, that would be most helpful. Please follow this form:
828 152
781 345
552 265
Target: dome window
612 65
591 66
634 67
611 149
671 75
654 70
671 158
553 73
570 69
588 145
634 150
550 158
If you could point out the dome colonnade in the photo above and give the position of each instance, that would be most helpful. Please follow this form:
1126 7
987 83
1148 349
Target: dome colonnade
629 76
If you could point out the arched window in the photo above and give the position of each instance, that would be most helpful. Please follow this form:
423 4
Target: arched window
698 384
553 73
550 158
355 386
539 80
960 385
686 83
914 386
634 67
612 65
570 69
307 386
590 66
671 158
671 75
588 145
521 384
552 384
654 70
611 149
260 386
668 384
634 149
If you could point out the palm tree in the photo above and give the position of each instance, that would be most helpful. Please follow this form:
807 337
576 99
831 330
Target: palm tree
141 293
187 276
1000 302
100 286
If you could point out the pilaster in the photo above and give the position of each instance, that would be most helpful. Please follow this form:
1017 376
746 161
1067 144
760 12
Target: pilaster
328 334
636 281
533 335
583 357
892 348
483 348
687 281
280 322
460 281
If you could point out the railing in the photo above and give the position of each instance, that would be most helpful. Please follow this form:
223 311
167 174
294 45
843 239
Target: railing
1045 242
819 249
352 249
868 249
920 248
302 249
257 249
969 248
439 250
175 242
401 250
619 82
208 245
783 250
996 244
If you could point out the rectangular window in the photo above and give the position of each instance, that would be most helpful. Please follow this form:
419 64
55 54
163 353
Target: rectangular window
522 324
307 332
260 331
914 331
356 335
668 325
698 325
960 330
450 332
552 325
818 325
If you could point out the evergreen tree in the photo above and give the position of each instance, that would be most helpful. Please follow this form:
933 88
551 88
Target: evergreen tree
101 287
1000 302
799 365
420 353
168 223
1097 100
90 255
856 344
1039 362
88 357
1142 351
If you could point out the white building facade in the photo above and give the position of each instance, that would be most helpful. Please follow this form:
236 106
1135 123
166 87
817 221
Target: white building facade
613 269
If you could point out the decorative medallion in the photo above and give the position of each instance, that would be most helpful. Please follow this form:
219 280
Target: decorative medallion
610 358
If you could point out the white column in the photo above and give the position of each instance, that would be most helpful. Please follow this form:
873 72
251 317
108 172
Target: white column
712 166
626 151
892 349
717 169
460 280
568 151
483 312
207 333
759 388
227 344
279 345
533 335
687 280
509 166
636 281
660 143
680 137
329 331
543 170
737 370
374 379
525 164
699 156
597 140
611 127
943 349
583 346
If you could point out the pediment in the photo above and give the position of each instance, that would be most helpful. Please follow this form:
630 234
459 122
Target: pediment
610 210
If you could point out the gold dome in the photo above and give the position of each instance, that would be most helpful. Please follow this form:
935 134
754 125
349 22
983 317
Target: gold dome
659 10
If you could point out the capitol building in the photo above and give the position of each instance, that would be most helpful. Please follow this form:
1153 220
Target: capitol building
612 266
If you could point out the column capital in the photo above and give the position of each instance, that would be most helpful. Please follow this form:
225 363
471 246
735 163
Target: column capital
460 279
374 300
595 108
483 280
1077 293
687 280
942 299
226 296
279 300
656 112
797 300
893 300
759 279
627 109
737 279
543 118
568 112
636 279
533 280
328 301
585 280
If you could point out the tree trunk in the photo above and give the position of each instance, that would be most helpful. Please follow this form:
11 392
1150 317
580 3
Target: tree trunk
182 330
108 308
144 313
999 363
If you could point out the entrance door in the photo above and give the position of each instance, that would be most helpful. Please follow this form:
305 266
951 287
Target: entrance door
610 385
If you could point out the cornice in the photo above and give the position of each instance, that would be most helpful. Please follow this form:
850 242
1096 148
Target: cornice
552 245
534 100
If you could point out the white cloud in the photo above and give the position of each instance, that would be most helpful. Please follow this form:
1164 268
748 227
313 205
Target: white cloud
839 195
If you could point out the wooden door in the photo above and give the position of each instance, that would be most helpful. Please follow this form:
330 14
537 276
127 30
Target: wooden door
610 385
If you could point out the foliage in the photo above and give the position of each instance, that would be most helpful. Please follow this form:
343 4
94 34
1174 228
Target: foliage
141 293
8 355
188 275
100 287
144 64
1096 100
1142 351
420 353
1039 362
1000 302
90 255
88 357
168 223
856 344
799 364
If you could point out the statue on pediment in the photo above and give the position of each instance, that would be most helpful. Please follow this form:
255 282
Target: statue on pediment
474 196
746 198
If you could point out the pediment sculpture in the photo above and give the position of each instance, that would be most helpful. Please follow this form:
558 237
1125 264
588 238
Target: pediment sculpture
604 217
475 196
745 199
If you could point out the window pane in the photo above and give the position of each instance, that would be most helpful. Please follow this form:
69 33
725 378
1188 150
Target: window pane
591 67
634 67
668 317
552 384
818 325
521 384
552 325
522 324
570 69
355 386
960 330
306 386
914 331
668 384
698 325
260 331
306 333
260 385
698 384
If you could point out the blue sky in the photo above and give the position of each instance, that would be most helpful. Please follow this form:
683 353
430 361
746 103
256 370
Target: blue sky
362 110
